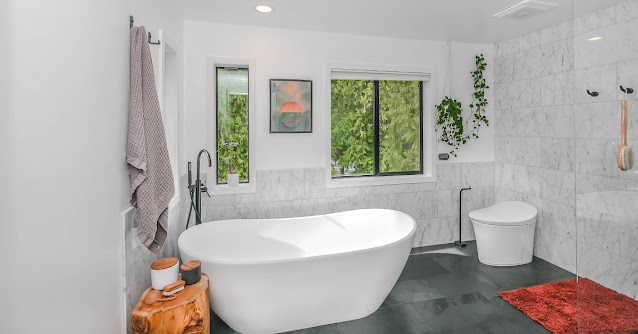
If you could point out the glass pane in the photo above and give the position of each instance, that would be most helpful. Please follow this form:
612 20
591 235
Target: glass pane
399 126
232 123
352 108
605 182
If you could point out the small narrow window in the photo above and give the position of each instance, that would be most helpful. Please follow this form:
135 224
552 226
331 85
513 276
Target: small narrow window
376 127
232 122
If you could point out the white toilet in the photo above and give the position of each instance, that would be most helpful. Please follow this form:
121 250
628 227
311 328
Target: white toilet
505 233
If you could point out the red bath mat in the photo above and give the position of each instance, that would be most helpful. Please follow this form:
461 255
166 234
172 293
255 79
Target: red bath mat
570 307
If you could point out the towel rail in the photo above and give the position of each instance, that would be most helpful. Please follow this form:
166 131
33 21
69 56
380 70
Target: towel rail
132 22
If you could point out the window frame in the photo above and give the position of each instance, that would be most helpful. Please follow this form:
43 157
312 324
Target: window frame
217 67
427 172
243 187
377 143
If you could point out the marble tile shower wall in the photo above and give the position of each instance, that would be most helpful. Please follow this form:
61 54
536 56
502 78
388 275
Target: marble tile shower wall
302 192
555 146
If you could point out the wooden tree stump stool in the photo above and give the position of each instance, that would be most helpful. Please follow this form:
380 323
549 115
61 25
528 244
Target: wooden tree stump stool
189 313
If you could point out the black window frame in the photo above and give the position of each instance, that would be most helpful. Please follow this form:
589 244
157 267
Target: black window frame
247 68
376 130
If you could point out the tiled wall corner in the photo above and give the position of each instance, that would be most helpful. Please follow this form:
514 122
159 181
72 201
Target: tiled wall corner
534 143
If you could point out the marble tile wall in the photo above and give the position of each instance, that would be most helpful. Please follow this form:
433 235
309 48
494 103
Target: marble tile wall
555 146
302 192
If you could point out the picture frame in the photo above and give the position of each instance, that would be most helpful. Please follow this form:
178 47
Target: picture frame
290 106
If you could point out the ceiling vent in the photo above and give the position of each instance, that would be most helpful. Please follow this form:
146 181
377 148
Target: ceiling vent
525 8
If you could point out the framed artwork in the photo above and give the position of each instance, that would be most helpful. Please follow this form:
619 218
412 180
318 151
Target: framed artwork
290 106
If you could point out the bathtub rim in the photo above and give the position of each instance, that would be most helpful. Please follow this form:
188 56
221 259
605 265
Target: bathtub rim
239 263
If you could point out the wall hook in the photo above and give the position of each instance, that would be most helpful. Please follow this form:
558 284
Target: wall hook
627 91
150 42
592 94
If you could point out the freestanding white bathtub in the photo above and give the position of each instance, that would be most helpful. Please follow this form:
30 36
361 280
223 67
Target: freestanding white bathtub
278 275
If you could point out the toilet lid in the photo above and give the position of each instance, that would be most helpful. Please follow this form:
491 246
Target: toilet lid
512 213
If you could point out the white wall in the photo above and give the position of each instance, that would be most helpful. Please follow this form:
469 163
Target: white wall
64 178
5 38
292 54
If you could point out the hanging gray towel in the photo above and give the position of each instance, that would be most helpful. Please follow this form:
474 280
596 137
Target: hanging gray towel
152 185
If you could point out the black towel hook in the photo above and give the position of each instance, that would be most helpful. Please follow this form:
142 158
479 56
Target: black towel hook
592 94
627 91
150 42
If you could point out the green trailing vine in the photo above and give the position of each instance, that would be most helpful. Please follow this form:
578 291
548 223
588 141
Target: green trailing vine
450 123
479 102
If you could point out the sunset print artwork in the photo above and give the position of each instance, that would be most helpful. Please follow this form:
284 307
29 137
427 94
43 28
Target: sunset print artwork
290 106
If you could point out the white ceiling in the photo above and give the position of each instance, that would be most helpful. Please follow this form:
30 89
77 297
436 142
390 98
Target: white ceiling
455 20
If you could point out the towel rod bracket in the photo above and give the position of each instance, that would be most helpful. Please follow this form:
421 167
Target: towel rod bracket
151 42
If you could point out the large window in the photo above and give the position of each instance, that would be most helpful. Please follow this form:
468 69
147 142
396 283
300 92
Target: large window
232 122
376 127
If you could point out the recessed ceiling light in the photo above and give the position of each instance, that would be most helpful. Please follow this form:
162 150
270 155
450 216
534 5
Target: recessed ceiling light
597 38
264 9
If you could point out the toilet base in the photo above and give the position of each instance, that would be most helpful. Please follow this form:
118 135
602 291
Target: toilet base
504 265
504 246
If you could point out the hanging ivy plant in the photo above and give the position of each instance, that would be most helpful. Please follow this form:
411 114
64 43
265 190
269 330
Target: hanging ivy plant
450 123
450 112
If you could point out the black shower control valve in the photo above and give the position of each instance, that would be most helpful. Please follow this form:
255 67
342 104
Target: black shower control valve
205 189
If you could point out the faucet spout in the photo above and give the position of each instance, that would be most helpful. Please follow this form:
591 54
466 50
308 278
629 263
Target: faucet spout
210 163
199 186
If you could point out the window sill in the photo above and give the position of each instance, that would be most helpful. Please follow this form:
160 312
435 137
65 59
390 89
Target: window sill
378 180
222 189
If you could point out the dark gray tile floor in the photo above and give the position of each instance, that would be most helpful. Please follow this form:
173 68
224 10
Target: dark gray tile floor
445 289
